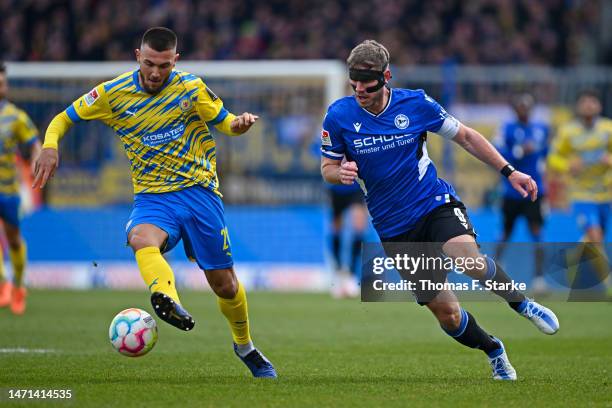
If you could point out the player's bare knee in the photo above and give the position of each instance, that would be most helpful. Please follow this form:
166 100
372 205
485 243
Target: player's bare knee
226 289
223 282
448 314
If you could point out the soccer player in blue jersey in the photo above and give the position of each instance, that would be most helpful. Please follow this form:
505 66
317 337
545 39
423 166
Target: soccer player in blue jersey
524 144
163 118
381 134
16 129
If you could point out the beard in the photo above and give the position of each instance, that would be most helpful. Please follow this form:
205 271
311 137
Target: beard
148 89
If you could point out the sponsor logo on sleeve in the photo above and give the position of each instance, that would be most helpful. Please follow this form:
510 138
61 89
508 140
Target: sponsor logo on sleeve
325 138
91 97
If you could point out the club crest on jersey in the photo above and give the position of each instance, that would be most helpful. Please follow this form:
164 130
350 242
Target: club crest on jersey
91 97
185 104
401 121
325 138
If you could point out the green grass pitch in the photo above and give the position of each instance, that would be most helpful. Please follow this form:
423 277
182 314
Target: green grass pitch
327 353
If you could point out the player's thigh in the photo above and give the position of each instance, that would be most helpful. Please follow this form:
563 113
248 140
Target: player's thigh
205 234
153 222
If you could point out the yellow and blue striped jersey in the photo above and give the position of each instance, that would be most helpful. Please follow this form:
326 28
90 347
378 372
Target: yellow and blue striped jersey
166 136
594 182
15 128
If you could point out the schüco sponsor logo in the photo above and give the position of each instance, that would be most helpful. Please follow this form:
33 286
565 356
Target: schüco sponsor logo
167 135
376 140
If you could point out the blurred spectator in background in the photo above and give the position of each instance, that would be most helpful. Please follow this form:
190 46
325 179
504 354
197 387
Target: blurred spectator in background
583 151
550 32
524 143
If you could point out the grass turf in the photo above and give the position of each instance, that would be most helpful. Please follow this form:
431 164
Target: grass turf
327 353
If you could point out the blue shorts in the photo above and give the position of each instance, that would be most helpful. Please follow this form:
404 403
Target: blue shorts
9 208
194 215
590 214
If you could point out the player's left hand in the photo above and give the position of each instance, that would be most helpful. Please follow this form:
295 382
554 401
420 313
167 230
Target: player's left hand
524 184
242 123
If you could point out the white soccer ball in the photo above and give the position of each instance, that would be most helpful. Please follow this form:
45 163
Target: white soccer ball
133 332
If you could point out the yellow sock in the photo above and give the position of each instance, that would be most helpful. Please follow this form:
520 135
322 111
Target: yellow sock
18 259
236 312
156 272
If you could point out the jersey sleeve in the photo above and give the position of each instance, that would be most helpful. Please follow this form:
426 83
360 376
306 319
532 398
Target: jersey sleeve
91 106
437 120
24 129
208 105
332 145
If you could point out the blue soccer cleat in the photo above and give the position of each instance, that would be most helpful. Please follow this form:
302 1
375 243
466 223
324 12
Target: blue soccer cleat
171 312
259 365
502 369
542 317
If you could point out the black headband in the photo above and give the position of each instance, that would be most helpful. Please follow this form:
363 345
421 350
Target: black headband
366 75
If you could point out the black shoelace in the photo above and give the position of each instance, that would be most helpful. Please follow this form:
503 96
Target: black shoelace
255 358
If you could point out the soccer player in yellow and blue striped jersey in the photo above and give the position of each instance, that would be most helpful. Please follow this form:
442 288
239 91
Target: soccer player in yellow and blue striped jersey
163 118
16 129
583 151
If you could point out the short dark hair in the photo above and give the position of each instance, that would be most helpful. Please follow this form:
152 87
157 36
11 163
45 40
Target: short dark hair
2 67
370 54
159 38
588 92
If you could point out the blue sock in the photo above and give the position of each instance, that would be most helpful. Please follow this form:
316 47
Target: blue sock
471 335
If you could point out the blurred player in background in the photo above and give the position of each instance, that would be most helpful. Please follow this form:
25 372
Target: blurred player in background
16 130
524 144
163 116
381 134
346 199
583 152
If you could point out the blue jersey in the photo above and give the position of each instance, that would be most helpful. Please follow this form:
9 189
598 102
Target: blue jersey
399 180
525 146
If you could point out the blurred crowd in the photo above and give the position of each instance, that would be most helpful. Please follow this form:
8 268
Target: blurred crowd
551 32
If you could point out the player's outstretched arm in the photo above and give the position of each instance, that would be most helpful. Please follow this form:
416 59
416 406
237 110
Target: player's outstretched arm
47 161
337 172
478 146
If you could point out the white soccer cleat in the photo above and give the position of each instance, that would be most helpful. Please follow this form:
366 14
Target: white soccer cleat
502 369
542 317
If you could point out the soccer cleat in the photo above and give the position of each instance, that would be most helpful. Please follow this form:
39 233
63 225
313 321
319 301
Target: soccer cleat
6 288
542 317
502 369
171 312
18 303
259 365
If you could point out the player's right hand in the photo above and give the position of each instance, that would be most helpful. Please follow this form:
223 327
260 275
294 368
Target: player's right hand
45 166
348 172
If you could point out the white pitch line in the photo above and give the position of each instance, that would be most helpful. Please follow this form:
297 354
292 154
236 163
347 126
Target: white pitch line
26 350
